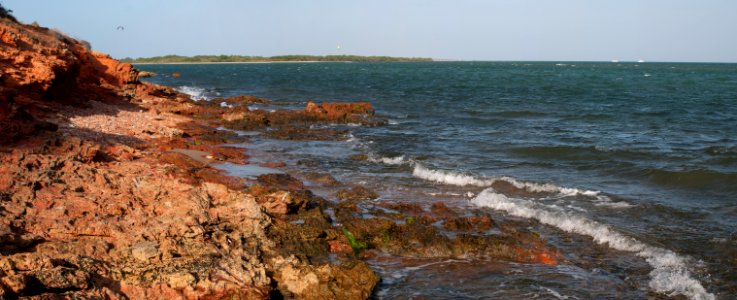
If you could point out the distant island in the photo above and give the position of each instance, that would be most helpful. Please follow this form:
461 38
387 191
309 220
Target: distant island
282 58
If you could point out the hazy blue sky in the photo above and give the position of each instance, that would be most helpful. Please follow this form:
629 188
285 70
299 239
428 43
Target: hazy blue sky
653 30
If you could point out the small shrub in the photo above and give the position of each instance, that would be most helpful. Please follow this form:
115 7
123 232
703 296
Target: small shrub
357 245
86 44
6 13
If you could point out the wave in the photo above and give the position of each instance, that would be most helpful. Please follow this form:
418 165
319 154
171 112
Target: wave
670 274
196 93
449 177
399 160
460 179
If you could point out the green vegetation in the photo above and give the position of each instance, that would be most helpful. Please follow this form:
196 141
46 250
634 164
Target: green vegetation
6 13
281 58
357 246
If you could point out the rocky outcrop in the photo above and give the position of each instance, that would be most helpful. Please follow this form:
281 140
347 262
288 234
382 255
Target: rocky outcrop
41 67
290 124
106 192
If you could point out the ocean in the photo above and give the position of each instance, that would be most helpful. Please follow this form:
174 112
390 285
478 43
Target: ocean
631 168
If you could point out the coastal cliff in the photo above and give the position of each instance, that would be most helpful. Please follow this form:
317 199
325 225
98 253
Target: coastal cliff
106 191
90 207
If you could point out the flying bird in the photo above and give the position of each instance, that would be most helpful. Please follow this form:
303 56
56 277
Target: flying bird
120 28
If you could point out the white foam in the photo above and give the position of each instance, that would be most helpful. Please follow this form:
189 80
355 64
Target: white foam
670 274
459 179
196 93
611 204
548 188
399 160
444 194
448 177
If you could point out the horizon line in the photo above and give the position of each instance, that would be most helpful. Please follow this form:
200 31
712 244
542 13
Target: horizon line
419 57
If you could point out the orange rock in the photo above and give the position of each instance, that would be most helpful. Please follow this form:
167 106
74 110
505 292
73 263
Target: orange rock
277 164
337 246
312 107
338 111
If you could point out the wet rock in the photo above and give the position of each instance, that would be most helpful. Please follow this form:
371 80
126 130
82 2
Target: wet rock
313 108
245 120
308 239
280 181
278 164
245 99
323 179
146 74
359 157
414 233
356 193
412 209
472 223
440 210
340 111
307 134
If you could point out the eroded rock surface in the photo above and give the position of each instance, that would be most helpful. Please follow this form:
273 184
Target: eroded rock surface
106 192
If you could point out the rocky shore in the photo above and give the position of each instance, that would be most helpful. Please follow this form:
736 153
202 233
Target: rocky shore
106 191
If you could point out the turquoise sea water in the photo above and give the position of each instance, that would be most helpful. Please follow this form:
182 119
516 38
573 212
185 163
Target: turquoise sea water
635 161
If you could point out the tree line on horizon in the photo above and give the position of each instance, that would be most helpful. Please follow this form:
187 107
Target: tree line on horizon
242 58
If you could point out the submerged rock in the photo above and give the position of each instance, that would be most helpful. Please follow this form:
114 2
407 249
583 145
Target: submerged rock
307 134
323 179
281 181
356 193
146 74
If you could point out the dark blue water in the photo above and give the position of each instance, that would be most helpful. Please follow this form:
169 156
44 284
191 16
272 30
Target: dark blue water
642 152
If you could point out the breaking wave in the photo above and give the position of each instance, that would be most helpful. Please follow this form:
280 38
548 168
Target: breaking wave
399 160
196 93
670 274
459 179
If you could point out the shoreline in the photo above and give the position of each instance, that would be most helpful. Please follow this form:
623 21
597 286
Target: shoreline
122 187
238 62
127 187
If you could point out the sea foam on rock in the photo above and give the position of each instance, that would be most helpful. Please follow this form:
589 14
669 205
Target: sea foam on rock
670 274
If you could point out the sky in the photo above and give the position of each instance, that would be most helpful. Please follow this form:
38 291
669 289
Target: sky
536 30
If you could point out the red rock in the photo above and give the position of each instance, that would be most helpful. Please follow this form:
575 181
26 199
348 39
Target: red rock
337 246
472 223
338 111
313 108
281 181
277 164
